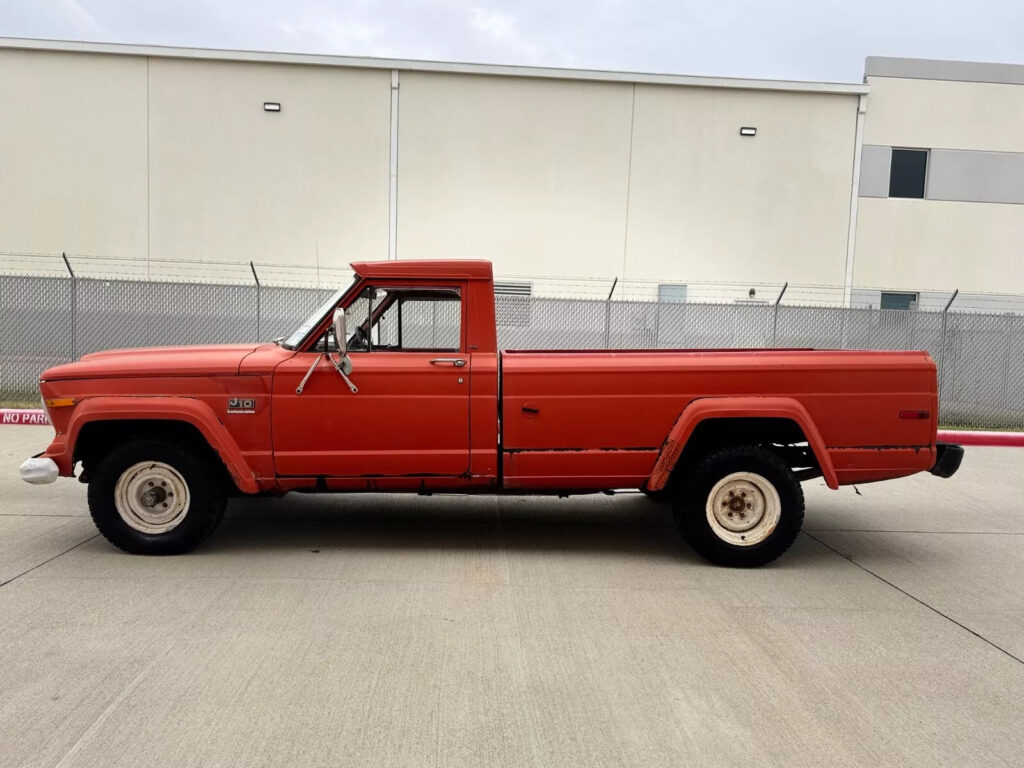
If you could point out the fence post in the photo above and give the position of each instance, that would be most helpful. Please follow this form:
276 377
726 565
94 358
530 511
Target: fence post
1004 400
259 291
74 307
608 315
775 314
942 357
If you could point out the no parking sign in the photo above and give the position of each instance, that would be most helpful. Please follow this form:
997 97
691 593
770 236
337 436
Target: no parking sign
23 416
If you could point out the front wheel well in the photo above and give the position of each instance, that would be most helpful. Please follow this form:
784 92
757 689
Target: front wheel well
781 435
97 438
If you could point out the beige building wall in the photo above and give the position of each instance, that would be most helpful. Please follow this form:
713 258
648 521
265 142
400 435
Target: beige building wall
229 181
529 173
645 182
73 153
167 156
707 204
922 245
928 244
945 114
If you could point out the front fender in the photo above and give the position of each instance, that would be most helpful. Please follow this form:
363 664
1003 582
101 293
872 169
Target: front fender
738 408
185 409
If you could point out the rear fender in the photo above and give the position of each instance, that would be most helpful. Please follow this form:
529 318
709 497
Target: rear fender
184 409
736 408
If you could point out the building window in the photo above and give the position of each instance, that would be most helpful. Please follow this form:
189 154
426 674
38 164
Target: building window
672 293
894 300
907 172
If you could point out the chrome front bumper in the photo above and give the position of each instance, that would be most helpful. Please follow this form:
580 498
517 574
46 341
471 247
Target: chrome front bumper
38 471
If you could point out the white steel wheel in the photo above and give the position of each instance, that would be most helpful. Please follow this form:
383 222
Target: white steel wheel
743 509
151 497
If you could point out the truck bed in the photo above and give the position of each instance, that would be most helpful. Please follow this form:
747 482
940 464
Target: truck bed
598 419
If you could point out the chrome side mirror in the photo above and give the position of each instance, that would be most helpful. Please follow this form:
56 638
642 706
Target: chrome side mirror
343 365
340 332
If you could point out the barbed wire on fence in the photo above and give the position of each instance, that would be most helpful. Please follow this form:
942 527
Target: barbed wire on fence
549 286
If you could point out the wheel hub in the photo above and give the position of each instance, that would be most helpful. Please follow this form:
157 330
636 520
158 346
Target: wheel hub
743 508
151 497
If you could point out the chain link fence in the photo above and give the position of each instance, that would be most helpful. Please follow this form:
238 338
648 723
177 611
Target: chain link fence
45 321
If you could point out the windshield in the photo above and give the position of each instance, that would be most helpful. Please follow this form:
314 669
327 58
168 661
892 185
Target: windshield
293 341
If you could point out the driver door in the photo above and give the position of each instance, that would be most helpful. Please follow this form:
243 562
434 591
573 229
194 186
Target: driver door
410 416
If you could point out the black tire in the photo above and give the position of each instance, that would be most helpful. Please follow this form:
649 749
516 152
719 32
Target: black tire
692 502
199 517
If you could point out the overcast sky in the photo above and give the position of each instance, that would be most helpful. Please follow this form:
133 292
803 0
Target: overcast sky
792 39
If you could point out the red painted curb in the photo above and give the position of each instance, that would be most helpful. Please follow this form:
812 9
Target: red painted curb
963 437
23 416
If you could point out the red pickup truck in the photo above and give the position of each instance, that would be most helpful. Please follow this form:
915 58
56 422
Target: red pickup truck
397 385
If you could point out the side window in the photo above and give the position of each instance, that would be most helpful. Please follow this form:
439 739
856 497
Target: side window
426 323
394 318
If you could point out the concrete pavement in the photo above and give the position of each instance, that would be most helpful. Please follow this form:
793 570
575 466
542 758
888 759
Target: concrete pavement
454 631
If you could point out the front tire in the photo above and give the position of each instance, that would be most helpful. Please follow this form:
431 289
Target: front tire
156 497
740 506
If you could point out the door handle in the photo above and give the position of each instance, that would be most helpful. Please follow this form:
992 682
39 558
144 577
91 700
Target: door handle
458 362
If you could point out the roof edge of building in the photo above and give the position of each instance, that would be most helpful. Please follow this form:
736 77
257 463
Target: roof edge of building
367 62
940 69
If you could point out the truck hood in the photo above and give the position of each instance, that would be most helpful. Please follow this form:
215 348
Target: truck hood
204 360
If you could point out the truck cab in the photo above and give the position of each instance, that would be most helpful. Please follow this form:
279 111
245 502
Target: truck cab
423 353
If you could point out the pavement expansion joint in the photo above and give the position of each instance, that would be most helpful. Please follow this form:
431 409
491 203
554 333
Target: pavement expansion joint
916 599
48 560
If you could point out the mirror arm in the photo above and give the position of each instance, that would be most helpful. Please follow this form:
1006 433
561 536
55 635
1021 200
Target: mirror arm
302 384
337 367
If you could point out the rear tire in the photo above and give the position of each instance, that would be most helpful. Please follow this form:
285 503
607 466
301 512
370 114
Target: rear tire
156 497
740 506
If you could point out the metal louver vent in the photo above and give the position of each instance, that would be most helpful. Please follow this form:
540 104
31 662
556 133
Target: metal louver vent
511 288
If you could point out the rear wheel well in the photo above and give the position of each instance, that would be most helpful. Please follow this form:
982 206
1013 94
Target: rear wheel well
782 436
97 438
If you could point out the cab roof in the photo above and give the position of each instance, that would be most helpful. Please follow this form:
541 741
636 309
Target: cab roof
445 269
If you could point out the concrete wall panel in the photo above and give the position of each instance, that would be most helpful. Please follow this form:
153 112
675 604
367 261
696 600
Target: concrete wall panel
984 177
875 164
938 114
922 245
707 204
531 174
229 181
73 153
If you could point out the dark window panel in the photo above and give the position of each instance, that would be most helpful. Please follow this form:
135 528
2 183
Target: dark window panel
893 300
907 172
